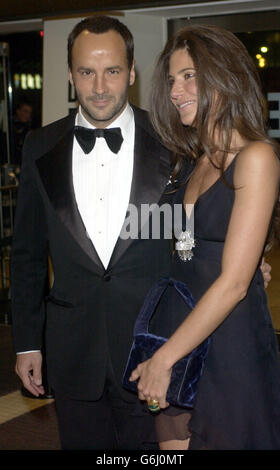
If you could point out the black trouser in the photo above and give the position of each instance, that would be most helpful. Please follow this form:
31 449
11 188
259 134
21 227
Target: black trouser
106 424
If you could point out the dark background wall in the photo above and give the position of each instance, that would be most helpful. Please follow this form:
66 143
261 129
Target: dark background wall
15 10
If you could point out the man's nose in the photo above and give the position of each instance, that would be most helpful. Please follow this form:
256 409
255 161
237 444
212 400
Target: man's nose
99 84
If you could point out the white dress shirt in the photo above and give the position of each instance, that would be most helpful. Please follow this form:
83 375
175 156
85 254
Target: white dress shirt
102 183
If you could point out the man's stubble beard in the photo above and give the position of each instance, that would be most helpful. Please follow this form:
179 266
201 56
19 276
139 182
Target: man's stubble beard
112 113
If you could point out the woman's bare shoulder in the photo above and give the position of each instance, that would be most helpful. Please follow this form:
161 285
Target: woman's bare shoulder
256 156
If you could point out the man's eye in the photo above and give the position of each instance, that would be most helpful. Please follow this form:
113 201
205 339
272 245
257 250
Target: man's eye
85 72
114 72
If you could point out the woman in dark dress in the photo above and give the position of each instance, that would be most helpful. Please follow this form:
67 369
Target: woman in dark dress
207 106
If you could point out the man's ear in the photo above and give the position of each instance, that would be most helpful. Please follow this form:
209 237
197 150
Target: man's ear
70 77
132 74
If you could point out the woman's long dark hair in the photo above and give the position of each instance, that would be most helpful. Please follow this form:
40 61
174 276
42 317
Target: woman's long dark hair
228 83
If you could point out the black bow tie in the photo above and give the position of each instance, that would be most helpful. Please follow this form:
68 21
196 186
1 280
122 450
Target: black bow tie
86 138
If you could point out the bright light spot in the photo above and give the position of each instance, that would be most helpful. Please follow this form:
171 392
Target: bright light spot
258 56
264 49
38 81
30 81
23 81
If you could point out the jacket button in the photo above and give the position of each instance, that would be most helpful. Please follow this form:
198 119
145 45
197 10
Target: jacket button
107 277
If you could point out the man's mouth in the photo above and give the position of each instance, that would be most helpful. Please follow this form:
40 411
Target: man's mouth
99 101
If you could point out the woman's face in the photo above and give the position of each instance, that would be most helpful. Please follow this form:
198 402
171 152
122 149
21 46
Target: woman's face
183 87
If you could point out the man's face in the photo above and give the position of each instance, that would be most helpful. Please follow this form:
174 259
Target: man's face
101 76
24 113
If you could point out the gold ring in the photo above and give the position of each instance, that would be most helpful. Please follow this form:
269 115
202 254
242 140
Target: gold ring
153 405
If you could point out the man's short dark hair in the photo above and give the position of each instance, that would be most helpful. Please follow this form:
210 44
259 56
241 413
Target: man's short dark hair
23 102
99 25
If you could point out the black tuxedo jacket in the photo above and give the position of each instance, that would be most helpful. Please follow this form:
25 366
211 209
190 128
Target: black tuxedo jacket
89 314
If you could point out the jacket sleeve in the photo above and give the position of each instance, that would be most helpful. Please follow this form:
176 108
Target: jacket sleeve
29 261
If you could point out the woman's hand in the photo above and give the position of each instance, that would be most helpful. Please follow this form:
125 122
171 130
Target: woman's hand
154 379
266 269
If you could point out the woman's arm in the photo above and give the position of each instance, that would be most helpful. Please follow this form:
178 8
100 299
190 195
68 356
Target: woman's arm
256 176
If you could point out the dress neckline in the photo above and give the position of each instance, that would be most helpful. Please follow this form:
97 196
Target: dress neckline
204 193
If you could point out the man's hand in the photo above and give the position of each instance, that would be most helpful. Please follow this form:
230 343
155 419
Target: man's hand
266 269
29 369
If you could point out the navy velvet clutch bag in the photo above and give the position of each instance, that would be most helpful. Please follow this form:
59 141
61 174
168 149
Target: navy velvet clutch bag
187 371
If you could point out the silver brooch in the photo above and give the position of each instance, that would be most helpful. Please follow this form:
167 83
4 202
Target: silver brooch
170 182
184 246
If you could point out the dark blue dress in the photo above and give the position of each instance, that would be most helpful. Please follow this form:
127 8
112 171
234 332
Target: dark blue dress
238 400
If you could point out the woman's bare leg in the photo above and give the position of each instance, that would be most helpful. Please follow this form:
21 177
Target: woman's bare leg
174 445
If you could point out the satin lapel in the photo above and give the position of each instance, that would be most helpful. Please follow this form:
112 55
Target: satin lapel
55 169
151 174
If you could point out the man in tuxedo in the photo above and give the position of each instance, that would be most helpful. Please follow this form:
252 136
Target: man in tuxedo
72 204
